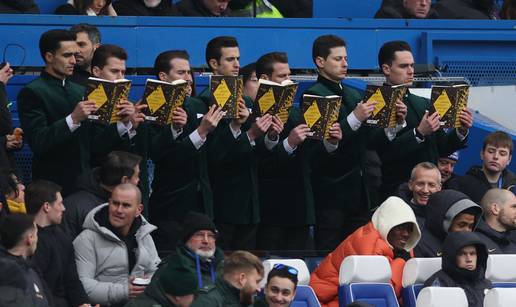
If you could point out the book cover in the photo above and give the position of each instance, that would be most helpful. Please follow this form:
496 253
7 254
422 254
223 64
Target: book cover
384 113
106 94
226 91
449 101
275 98
162 98
320 113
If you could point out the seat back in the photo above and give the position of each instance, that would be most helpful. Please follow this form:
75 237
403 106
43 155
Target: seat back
366 279
501 270
500 297
442 296
305 295
415 273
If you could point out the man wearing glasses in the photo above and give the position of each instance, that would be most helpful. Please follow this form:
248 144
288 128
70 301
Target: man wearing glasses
280 289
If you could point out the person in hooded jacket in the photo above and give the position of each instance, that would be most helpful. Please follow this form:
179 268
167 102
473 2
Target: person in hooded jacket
95 187
392 232
18 7
145 8
115 247
464 263
447 211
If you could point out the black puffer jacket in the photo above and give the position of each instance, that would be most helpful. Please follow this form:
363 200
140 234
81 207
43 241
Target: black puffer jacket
475 184
474 282
138 8
464 9
197 8
496 242
89 195
18 7
442 207
395 10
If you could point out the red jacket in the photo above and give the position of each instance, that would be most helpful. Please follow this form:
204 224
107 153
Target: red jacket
364 241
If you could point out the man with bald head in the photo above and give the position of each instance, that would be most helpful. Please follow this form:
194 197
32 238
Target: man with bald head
115 247
499 221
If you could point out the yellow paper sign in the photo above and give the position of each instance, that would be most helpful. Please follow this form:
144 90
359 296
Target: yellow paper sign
99 96
156 99
222 93
442 104
380 102
266 101
312 114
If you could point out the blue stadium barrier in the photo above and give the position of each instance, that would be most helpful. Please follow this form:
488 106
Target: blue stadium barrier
482 51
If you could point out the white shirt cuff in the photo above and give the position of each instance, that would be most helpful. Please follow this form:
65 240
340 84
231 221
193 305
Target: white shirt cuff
417 139
353 121
392 131
269 144
460 136
175 133
71 125
123 129
253 143
287 147
330 147
196 139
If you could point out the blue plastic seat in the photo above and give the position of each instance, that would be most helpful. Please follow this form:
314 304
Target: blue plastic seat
415 273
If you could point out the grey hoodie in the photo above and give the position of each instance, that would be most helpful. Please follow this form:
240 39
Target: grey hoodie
102 260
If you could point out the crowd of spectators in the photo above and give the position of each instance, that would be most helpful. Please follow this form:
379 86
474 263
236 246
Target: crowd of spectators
87 230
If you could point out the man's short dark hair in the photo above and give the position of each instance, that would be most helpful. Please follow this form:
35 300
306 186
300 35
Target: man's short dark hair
92 32
13 227
117 165
498 139
323 45
38 193
104 52
8 184
283 272
162 62
83 5
50 41
247 72
215 45
265 64
388 51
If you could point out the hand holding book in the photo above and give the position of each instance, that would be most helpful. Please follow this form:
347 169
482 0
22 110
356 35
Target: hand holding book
401 111
210 120
335 134
82 110
179 118
298 135
242 115
125 111
466 120
364 109
259 127
276 128
428 124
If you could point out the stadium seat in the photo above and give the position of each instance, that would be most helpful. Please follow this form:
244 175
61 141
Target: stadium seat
366 279
500 297
415 273
305 295
442 296
501 271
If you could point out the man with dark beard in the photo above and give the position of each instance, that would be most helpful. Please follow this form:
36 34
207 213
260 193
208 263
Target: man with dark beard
88 38
242 273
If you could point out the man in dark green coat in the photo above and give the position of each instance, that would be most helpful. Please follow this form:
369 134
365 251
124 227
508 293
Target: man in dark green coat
243 272
338 173
175 287
231 155
181 182
285 191
421 139
54 117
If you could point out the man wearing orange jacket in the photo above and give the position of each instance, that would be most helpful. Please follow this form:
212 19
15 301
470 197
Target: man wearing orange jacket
392 232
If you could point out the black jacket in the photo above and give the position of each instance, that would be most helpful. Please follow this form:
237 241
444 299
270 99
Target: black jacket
419 210
464 9
475 184
20 284
496 242
197 8
294 9
55 259
138 8
442 207
89 195
18 7
473 283
395 9
6 127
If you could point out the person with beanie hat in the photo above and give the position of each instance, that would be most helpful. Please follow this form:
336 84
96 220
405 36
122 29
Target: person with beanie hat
464 263
446 164
175 287
392 232
197 250
446 211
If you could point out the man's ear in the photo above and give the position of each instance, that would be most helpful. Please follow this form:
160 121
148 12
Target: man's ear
49 57
264 77
162 76
95 46
386 69
124 179
95 70
495 208
214 64
139 210
319 62
46 207
242 279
